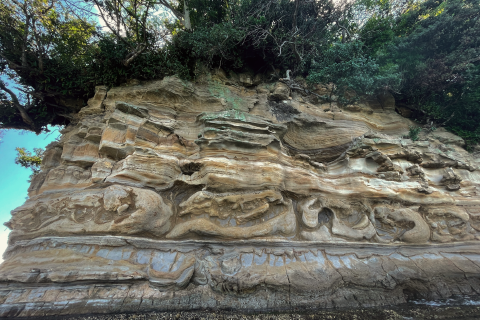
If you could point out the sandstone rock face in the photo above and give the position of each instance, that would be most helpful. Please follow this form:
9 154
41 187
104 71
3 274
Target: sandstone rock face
173 196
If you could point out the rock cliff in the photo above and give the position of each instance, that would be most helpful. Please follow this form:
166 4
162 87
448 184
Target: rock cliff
236 194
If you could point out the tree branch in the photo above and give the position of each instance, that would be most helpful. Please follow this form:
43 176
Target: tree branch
15 126
115 32
186 16
12 65
280 48
345 30
133 55
177 13
23 113
25 39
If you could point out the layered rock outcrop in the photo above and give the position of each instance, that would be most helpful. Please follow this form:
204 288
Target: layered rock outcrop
170 195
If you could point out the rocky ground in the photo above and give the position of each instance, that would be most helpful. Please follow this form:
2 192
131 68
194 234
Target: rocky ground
407 311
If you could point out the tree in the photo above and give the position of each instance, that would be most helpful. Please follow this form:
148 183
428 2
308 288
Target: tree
425 52
437 44
55 51
133 23
37 42
349 68
30 160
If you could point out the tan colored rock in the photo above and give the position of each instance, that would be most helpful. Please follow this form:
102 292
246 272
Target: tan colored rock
327 139
219 75
241 206
420 232
283 224
52 156
309 212
446 137
95 104
115 210
64 178
102 169
366 231
404 111
171 195
451 180
353 107
246 79
280 92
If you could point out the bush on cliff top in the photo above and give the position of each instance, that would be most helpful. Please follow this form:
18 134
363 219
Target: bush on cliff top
424 52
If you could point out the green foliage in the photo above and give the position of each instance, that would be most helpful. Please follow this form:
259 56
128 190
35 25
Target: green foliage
43 50
377 33
436 45
212 44
413 133
346 65
207 12
30 160
425 52
57 53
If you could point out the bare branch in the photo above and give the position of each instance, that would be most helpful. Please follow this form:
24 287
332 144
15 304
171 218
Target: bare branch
280 48
105 20
133 55
177 13
186 16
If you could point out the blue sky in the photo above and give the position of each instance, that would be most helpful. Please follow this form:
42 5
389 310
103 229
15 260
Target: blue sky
13 177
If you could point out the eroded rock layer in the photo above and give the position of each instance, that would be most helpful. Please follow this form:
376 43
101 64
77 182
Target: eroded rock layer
174 196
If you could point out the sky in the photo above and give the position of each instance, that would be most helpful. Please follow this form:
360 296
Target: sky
14 178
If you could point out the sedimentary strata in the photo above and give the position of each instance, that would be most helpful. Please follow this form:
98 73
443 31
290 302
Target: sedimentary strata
173 195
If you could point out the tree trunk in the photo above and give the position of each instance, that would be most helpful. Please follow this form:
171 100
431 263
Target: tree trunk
186 15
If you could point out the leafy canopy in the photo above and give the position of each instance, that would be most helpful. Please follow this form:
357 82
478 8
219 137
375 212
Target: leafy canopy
425 52
30 160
